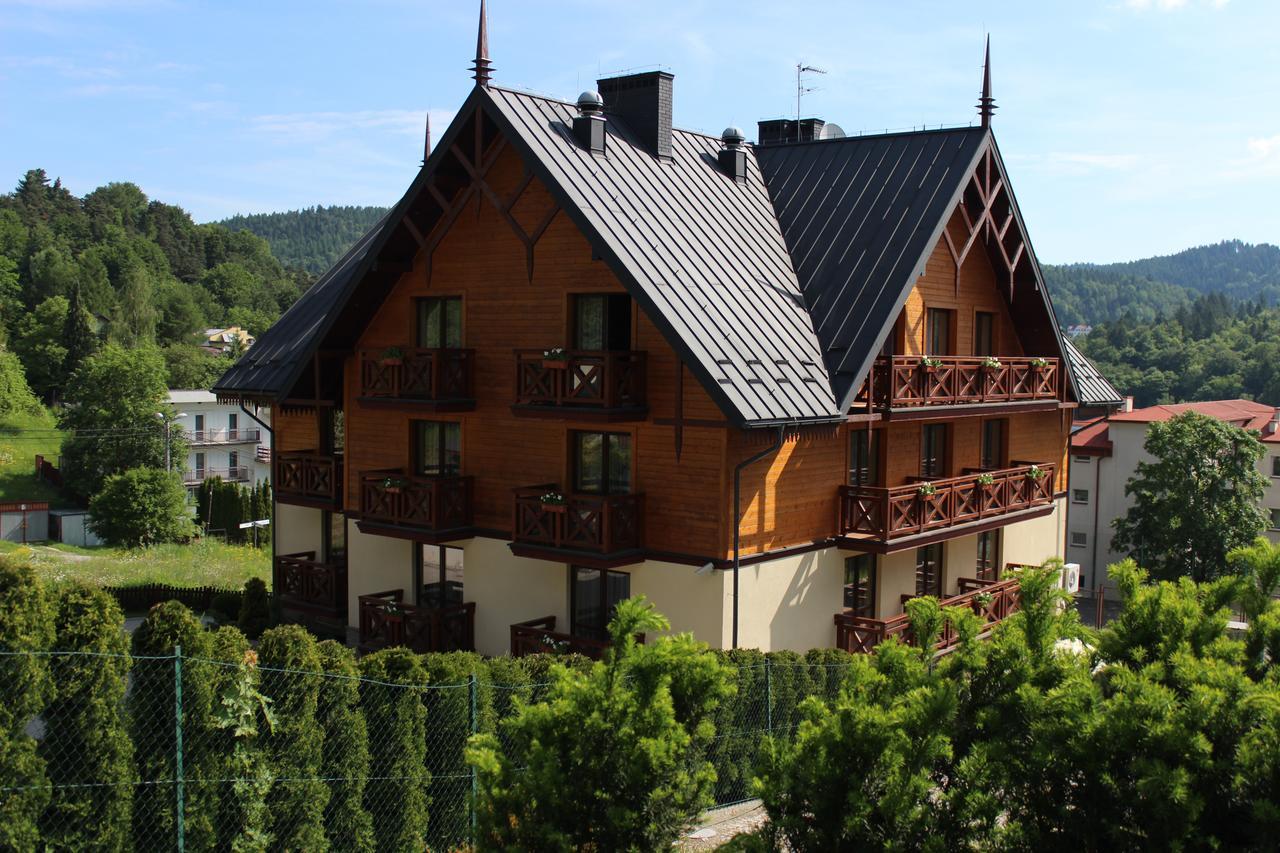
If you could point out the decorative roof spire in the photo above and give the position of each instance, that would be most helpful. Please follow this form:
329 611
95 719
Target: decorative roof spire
482 67
426 146
986 104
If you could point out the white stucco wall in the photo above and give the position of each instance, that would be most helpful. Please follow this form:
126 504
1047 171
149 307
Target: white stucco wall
1034 541
298 528
375 564
788 603
507 589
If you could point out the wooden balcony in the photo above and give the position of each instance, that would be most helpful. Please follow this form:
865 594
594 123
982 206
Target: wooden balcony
594 530
303 583
408 506
957 506
387 621
432 379
993 602
308 478
539 635
903 383
601 385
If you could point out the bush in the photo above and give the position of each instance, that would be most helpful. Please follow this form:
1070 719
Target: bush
85 737
344 760
255 608
396 796
449 707
615 758
26 626
15 394
236 730
291 681
142 506
225 606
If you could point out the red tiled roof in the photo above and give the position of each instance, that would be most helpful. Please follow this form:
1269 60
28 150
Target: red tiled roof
1242 413
1091 439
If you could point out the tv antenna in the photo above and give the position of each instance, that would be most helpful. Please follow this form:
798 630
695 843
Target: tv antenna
801 89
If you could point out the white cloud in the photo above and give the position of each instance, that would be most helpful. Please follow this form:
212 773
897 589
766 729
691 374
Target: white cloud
1262 158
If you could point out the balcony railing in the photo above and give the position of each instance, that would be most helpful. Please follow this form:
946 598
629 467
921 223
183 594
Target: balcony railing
236 474
901 381
308 477
309 584
386 621
599 524
584 380
891 513
224 436
540 635
407 500
993 602
418 374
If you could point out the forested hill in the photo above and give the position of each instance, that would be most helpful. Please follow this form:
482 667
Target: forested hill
311 238
1147 288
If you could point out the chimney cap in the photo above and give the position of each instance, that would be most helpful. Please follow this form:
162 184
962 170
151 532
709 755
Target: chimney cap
590 102
732 137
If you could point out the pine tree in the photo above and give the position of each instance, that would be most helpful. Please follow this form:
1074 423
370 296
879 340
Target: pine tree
77 334
345 759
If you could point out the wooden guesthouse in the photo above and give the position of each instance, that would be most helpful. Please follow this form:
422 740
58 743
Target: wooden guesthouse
776 387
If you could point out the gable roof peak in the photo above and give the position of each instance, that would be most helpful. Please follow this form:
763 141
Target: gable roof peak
482 68
986 103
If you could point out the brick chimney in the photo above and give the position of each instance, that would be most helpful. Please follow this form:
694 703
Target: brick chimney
643 102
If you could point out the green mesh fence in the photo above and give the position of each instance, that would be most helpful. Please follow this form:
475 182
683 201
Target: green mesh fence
211 753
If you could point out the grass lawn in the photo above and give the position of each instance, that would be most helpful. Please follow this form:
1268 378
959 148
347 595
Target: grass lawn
21 438
203 563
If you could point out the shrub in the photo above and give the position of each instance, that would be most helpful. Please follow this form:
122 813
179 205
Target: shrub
740 723
344 759
225 606
290 672
614 759
242 719
139 507
85 737
26 626
396 796
449 707
255 608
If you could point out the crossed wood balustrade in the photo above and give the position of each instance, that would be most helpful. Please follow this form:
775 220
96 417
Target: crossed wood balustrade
602 524
540 636
420 373
992 601
308 477
902 381
890 513
305 583
409 500
387 621
586 379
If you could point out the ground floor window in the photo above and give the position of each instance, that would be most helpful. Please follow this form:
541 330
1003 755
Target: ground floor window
1275 519
988 566
593 596
860 585
929 570
334 528
437 572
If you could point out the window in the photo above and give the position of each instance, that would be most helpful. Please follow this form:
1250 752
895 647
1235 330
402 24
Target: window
1275 466
1275 519
233 423
864 457
199 427
1079 540
938 332
929 570
233 462
993 447
984 333
333 438
437 575
988 566
933 450
335 537
200 466
1079 496
594 595
1083 460
602 321
602 463
437 448
439 322
860 585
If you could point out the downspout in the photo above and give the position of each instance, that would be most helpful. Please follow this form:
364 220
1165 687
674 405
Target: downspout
257 419
737 518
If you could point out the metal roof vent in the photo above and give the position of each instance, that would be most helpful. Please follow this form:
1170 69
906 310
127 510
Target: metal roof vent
589 124
733 156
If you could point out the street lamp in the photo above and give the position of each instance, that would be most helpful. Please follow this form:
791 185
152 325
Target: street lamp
168 422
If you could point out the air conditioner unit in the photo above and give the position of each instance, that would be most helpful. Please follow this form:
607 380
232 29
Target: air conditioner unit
1071 577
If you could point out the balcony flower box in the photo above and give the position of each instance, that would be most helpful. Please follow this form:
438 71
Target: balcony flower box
1039 363
991 363
555 359
926 490
929 364
1035 472
553 502
391 357
986 480
393 485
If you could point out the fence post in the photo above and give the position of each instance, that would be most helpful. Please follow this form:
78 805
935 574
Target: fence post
177 736
471 691
768 694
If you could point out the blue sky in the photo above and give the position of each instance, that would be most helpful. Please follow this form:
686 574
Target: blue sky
1130 127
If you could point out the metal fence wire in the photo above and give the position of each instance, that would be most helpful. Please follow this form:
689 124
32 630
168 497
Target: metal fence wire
162 752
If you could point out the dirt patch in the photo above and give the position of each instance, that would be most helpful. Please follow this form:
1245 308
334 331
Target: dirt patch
719 825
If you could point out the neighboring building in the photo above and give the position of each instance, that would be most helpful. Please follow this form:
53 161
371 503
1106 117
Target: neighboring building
220 341
724 310
72 527
1077 330
1105 454
222 440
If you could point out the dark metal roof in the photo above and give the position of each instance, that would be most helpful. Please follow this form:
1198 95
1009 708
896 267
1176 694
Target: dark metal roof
1092 388
861 216
702 254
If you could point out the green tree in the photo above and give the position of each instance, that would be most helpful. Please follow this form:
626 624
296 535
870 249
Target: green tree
191 367
344 762
396 795
115 396
37 341
1196 501
255 609
78 338
134 321
615 758
86 742
242 718
141 507
15 394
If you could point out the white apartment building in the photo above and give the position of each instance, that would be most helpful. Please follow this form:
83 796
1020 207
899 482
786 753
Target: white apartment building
222 440
1105 454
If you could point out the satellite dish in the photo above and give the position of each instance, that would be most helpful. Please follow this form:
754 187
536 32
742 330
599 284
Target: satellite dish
831 130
